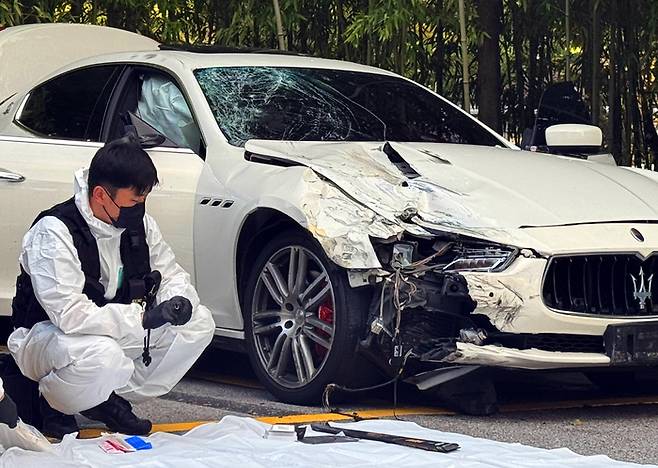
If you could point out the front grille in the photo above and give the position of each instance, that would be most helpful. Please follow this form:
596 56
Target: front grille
617 285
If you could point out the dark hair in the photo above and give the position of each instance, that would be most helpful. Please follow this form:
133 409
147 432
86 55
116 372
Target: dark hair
122 163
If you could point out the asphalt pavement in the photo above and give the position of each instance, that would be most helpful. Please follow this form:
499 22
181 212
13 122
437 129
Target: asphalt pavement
548 410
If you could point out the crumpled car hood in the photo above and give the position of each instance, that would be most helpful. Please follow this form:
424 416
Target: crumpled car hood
473 188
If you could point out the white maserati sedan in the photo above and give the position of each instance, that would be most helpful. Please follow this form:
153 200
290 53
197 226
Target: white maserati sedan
337 217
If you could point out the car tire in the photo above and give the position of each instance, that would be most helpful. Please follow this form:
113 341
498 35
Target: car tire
302 328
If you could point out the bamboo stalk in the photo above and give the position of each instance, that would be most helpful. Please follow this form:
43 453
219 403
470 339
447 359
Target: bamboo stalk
279 25
567 73
464 43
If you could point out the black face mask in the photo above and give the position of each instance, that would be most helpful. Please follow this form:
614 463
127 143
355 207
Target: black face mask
130 217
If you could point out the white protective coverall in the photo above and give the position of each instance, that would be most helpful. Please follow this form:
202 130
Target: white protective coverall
85 352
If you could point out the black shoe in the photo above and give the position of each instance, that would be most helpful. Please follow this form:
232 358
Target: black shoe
116 413
55 424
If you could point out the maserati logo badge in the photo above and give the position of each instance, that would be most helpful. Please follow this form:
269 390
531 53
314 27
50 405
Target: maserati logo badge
644 291
637 235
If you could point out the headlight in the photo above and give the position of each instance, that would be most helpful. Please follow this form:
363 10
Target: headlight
446 255
488 259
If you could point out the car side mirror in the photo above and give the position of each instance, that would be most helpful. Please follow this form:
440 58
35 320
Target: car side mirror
574 139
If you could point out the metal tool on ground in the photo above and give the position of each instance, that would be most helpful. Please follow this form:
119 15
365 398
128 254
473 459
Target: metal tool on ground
423 444
330 439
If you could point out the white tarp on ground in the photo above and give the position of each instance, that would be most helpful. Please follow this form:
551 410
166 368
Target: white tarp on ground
236 441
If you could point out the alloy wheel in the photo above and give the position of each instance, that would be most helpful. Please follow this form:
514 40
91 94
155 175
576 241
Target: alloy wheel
293 320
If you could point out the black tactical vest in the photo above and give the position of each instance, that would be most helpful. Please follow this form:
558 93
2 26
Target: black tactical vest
26 310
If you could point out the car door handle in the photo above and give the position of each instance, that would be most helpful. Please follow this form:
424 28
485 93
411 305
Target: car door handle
9 176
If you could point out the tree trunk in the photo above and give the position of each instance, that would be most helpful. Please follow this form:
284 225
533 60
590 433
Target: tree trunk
650 134
517 42
596 63
76 11
131 19
466 72
534 90
402 51
634 126
29 15
302 36
438 57
614 99
114 15
343 52
488 79
281 37
371 37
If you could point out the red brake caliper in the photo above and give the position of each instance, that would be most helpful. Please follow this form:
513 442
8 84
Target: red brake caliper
326 314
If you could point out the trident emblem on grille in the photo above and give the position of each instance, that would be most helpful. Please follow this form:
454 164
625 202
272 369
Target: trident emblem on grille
644 291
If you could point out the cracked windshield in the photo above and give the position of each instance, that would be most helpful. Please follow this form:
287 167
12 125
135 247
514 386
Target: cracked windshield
304 104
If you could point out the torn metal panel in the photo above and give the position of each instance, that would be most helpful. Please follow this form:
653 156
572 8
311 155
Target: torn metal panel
366 173
496 299
492 355
342 227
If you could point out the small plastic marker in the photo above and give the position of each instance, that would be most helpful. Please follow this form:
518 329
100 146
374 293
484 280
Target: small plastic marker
138 443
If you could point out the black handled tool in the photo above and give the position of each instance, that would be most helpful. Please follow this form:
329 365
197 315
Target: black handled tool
151 285
423 444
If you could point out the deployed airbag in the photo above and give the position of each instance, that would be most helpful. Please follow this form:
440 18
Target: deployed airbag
162 105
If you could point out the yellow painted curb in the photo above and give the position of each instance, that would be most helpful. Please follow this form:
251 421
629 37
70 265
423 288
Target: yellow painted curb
366 414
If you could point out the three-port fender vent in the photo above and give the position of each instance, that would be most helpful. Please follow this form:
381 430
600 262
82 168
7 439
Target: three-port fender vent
606 284
216 202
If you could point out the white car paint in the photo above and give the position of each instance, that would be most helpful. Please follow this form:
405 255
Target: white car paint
574 135
543 205
28 53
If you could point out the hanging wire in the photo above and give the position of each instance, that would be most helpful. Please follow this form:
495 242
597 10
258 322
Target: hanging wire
397 278
332 387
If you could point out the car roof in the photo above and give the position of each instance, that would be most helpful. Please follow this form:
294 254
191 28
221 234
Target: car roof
197 60
32 52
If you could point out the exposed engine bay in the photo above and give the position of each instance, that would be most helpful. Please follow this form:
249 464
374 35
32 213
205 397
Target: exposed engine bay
421 308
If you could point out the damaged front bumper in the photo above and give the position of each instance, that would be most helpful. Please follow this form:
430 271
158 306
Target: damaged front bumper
427 319
494 355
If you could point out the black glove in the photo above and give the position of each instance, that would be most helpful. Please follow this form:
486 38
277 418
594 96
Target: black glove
8 412
177 311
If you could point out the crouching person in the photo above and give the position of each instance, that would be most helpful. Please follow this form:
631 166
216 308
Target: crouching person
96 274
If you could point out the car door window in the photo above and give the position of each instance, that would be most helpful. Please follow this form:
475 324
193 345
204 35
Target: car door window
152 102
71 106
